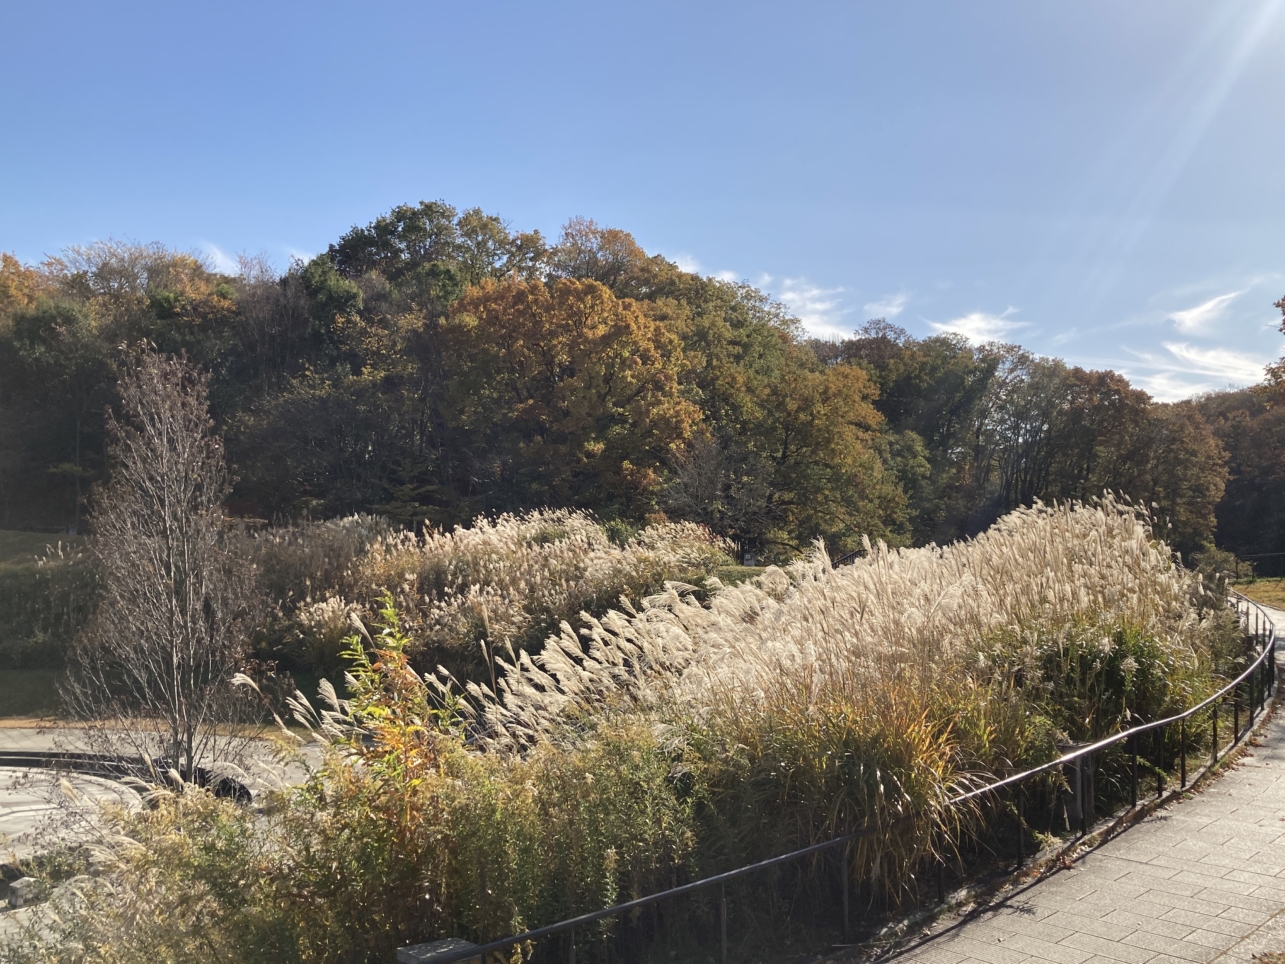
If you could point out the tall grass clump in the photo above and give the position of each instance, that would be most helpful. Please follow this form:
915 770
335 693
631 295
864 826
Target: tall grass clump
819 699
469 594
298 562
674 737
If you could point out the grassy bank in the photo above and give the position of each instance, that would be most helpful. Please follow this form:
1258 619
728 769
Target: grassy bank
23 547
1269 592
28 692
30 630
672 738
47 592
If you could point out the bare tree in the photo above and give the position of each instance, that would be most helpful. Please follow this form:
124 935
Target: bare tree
725 486
152 672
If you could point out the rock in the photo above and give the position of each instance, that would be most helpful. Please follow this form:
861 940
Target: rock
434 951
24 891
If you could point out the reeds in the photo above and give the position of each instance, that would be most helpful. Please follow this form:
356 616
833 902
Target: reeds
921 617
817 700
491 588
674 738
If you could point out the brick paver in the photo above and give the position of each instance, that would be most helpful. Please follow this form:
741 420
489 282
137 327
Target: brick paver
1199 882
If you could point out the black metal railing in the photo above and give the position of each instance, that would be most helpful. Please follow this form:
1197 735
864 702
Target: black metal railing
122 769
1256 685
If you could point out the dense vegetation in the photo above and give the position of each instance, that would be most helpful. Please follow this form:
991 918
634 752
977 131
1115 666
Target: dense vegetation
434 366
466 597
521 472
670 739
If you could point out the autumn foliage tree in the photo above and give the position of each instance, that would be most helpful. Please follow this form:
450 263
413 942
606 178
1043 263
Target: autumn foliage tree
435 364
572 393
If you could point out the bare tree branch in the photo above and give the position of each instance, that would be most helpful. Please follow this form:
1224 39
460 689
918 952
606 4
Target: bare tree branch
152 673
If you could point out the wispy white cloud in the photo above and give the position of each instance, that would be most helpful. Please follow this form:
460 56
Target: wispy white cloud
1191 320
1169 386
1234 367
223 262
981 326
820 310
726 275
687 263
1189 370
889 307
296 255
1062 337
1194 94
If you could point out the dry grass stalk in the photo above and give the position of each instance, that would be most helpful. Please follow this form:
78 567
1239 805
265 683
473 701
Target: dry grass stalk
897 614
496 586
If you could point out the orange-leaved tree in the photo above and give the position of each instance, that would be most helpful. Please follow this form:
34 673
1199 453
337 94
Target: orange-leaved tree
819 434
571 393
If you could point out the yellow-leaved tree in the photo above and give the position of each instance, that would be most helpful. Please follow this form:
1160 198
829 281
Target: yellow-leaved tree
571 393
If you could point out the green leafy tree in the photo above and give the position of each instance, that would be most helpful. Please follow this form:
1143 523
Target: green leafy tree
55 377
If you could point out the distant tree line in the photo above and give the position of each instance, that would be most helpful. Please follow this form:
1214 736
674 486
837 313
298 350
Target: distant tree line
435 365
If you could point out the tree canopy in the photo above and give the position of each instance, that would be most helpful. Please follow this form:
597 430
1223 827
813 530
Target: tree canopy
435 364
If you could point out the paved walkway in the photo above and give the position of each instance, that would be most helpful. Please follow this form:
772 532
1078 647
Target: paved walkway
32 804
1198 882
35 813
31 738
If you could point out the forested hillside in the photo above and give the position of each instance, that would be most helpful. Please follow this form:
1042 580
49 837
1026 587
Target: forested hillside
434 365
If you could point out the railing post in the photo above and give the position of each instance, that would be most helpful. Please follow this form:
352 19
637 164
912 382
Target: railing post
1265 687
846 870
1214 757
722 919
1021 828
1160 756
1133 745
1267 679
1182 751
1086 763
1235 714
571 957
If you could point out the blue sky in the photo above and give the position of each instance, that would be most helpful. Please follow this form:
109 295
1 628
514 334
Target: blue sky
1101 181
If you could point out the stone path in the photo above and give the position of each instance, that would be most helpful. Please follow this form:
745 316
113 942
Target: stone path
31 802
30 738
1198 882
35 812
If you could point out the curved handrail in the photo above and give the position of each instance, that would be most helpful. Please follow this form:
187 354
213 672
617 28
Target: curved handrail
1265 660
120 768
